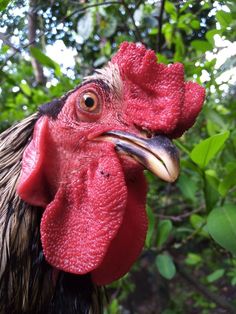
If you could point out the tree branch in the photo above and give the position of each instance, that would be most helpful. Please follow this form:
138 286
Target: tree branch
181 217
32 27
7 42
218 300
160 21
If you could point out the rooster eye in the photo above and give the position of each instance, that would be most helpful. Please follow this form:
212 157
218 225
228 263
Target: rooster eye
89 102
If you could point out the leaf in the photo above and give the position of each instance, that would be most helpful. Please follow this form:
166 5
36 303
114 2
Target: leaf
195 24
227 183
187 186
162 59
193 259
100 61
4 4
210 35
151 226
165 266
207 149
168 33
163 231
199 223
217 274
85 25
171 9
108 27
45 60
211 190
25 88
179 47
221 224
224 18
201 45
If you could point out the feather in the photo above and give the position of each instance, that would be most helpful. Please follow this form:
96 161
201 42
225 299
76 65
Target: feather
28 284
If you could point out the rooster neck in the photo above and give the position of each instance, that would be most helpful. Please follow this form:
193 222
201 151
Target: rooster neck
27 284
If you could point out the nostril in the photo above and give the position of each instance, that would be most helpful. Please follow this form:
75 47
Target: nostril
144 131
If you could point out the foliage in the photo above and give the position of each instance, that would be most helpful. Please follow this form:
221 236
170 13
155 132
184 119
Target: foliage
191 222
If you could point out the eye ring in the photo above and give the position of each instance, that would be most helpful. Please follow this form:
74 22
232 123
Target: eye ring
89 102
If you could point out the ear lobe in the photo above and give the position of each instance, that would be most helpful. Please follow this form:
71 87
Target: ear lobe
32 186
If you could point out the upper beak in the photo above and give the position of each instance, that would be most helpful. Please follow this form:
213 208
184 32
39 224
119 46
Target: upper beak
156 154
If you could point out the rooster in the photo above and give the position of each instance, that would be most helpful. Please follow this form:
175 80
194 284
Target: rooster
73 192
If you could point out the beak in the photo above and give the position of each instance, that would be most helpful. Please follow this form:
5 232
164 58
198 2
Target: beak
156 154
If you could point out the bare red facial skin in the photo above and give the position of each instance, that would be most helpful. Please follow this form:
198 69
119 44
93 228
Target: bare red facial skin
94 216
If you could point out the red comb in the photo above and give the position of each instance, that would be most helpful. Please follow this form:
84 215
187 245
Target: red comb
157 96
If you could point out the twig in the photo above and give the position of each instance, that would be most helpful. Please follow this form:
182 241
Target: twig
7 42
218 300
181 217
160 26
88 7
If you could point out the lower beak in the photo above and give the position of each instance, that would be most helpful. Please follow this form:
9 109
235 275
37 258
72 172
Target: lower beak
156 154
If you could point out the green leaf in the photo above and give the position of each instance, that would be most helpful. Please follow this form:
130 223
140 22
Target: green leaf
151 226
4 4
210 35
187 186
165 266
171 9
25 88
162 59
221 224
227 183
195 24
211 189
207 149
163 231
217 274
201 45
167 30
45 60
199 223
179 47
224 18
193 259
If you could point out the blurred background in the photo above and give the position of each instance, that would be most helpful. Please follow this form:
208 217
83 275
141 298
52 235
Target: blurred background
47 47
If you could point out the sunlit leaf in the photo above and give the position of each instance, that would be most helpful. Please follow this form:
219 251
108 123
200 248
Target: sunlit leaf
25 88
171 9
224 18
201 45
4 4
221 224
45 60
207 149
166 266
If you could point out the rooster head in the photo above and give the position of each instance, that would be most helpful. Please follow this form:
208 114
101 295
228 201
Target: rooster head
84 164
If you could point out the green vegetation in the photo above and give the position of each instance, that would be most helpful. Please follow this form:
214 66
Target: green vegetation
189 263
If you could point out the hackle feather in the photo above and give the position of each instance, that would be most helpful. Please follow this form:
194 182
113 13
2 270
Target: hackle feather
27 283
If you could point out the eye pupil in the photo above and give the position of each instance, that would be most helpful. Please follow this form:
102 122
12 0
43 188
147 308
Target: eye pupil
89 102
